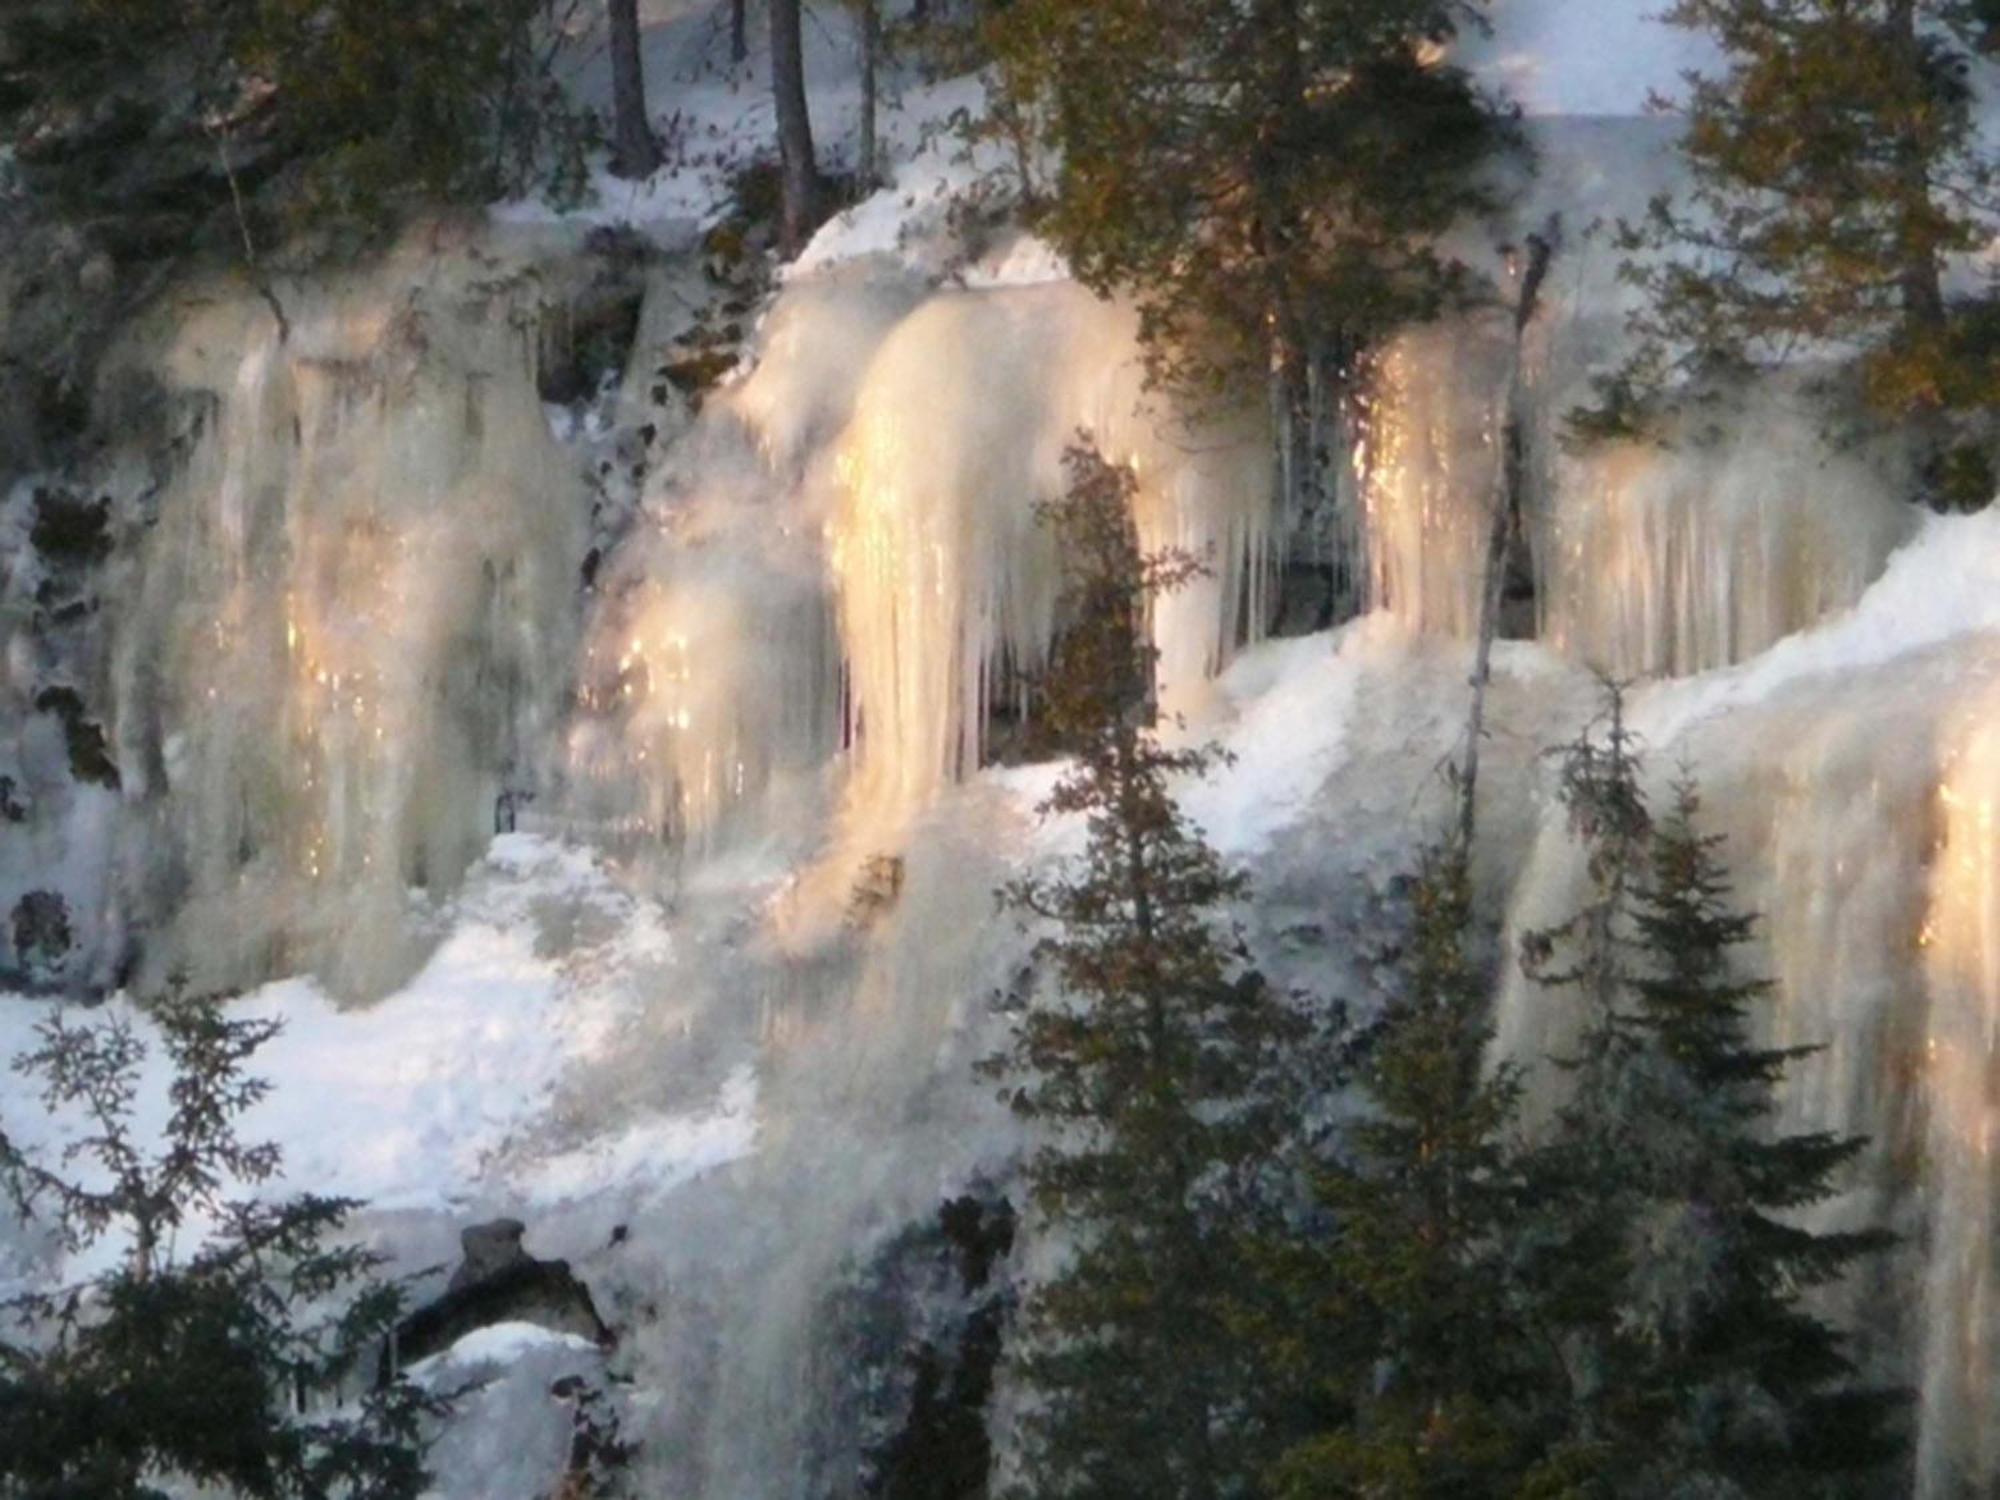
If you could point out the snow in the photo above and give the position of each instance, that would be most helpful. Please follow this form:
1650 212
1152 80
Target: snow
1943 583
497 1344
1290 702
932 168
659 1153
509 1433
437 1095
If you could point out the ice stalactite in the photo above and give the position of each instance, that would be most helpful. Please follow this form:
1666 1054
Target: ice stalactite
1661 557
948 584
1862 816
711 671
711 676
815 346
1426 473
1959 1437
1706 547
348 627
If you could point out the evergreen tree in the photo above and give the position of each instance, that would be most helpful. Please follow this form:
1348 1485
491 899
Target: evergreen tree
1675 1264
1572 1247
1409 1309
1147 1066
154 121
1837 166
1268 180
194 1366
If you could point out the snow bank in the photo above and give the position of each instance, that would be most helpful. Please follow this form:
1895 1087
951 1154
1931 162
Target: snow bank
439 1093
1945 582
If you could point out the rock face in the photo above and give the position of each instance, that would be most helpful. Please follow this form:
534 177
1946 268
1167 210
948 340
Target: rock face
498 1282
491 1249
922 1323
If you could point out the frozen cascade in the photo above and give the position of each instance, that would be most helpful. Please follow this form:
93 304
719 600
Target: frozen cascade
854 522
347 633
1650 558
711 677
355 625
1960 1444
1426 470
1745 527
1748 523
947 582
1875 860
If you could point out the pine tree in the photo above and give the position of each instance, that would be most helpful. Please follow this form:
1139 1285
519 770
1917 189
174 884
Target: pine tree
1572 1248
1671 1254
1409 1309
1268 181
1837 166
1145 1065
192 1365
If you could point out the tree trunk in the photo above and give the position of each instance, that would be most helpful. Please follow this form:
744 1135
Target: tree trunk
634 151
1506 524
871 56
799 165
1922 279
739 32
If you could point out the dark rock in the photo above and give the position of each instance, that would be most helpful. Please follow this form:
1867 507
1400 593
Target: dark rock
942 1450
42 937
499 1282
69 531
490 1249
921 1326
89 751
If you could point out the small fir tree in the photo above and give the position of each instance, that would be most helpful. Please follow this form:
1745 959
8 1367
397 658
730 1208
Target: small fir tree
201 1367
1146 1066
1409 1309
1670 1253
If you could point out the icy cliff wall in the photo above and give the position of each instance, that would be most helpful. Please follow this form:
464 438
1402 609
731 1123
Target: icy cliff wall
362 616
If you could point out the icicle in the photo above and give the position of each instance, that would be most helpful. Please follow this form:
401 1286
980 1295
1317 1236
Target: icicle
947 583
350 623
1959 1430
1675 558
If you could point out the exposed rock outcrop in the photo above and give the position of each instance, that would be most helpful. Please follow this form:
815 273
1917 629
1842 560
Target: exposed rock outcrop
498 1282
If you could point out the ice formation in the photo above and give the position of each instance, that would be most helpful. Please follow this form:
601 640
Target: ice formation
366 623
947 581
347 633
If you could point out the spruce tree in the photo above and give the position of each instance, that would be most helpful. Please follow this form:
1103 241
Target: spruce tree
1837 166
161 125
1409 1310
1572 1248
216 1358
1670 1253
1268 181
1145 1063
